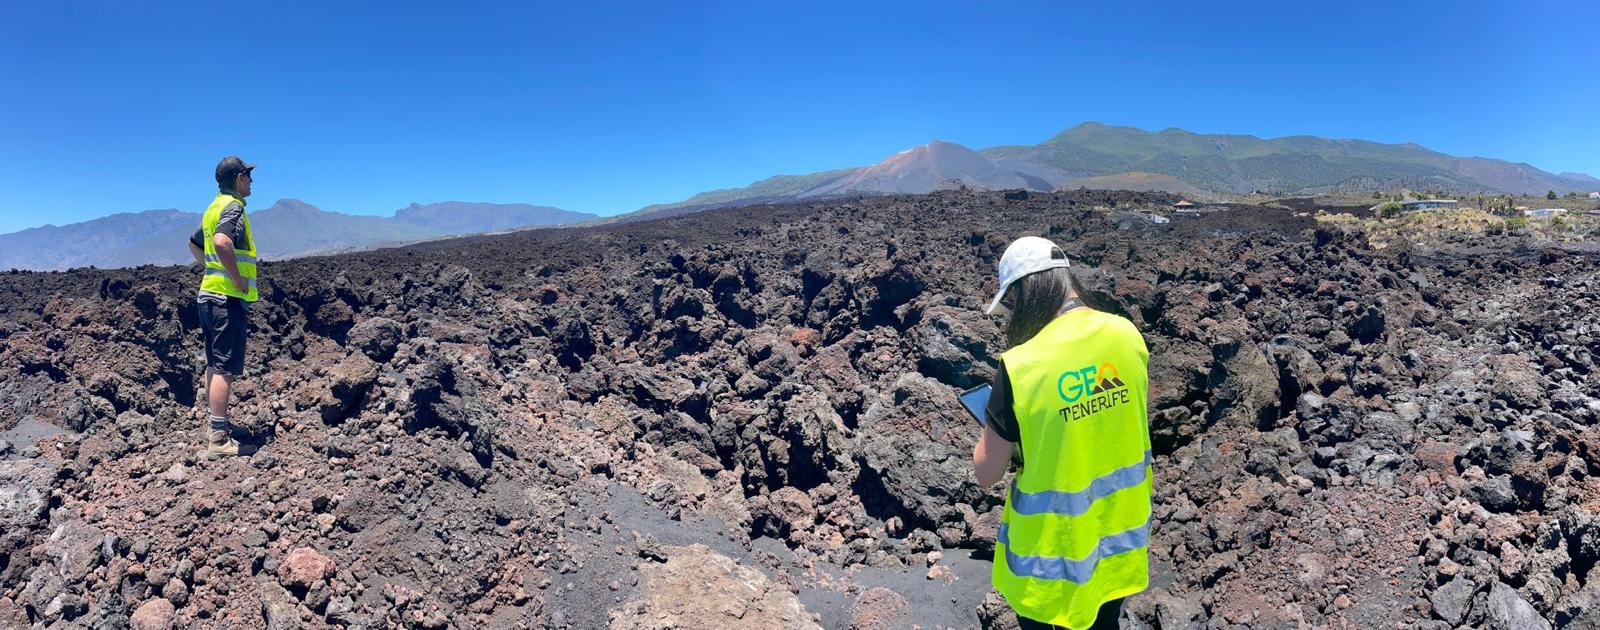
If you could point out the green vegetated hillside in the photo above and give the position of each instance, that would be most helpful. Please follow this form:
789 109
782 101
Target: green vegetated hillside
1215 163
1147 182
1293 164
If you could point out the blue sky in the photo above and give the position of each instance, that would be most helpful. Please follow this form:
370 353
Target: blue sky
605 107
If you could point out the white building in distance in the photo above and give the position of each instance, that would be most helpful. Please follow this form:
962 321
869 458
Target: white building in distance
1428 204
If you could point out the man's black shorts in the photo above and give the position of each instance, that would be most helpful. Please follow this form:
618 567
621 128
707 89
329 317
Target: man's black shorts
224 326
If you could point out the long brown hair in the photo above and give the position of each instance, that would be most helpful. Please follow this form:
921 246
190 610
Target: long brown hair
1036 299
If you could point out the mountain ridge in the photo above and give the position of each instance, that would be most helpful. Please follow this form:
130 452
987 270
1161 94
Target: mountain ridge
471 217
1211 163
933 166
288 228
1091 154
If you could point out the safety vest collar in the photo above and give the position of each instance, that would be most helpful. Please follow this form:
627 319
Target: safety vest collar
1063 319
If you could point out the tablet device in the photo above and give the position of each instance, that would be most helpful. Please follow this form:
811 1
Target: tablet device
976 400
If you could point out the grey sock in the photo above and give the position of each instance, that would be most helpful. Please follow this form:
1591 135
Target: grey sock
219 423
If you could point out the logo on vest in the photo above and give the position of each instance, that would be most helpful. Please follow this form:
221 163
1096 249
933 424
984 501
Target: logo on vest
1090 390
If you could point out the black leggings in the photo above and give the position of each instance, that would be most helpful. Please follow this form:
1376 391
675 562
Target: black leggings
1106 619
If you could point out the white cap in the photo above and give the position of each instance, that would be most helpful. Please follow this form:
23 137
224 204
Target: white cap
1026 255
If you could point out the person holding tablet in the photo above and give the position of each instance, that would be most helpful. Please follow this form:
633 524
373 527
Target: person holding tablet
1071 394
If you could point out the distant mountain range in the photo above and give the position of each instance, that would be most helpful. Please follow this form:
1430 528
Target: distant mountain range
287 229
1090 155
1095 155
461 217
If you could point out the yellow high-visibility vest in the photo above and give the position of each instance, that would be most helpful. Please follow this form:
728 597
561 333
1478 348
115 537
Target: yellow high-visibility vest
216 279
1076 529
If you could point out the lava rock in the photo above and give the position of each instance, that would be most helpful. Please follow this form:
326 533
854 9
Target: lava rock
155 614
303 567
376 337
649 547
25 487
789 509
955 345
1179 612
1369 325
347 384
1298 371
878 608
279 609
1514 379
177 474
462 466
176 591
793 373
916 447
74 549
1507 610
331 319
1244 383
1453 599
1496 494
995 614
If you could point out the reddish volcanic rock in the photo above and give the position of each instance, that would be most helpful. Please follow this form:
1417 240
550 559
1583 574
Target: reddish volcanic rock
304 567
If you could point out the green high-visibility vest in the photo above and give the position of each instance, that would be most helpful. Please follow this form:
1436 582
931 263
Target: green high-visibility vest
216 279
1076 529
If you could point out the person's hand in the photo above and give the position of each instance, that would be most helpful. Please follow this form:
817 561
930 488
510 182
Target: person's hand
239 283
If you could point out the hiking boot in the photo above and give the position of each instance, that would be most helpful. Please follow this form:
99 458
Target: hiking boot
221 444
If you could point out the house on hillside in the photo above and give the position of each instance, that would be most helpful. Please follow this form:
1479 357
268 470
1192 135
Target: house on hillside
1428 204
1594 195
1183 203
1544 213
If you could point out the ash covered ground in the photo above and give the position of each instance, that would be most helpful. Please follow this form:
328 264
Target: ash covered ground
746 418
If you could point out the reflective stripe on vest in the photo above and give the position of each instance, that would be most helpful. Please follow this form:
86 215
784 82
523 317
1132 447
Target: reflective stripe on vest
237 258
1076 527
216 279
223 273
1075 503
1077 571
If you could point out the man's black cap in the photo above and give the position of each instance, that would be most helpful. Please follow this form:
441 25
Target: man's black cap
229 168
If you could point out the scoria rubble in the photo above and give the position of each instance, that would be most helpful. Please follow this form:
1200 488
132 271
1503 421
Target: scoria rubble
746 418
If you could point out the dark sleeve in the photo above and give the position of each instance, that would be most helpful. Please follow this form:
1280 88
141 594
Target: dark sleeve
1000 415
232 223
198 239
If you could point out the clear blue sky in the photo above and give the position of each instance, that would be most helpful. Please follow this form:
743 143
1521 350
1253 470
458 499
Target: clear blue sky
605 107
